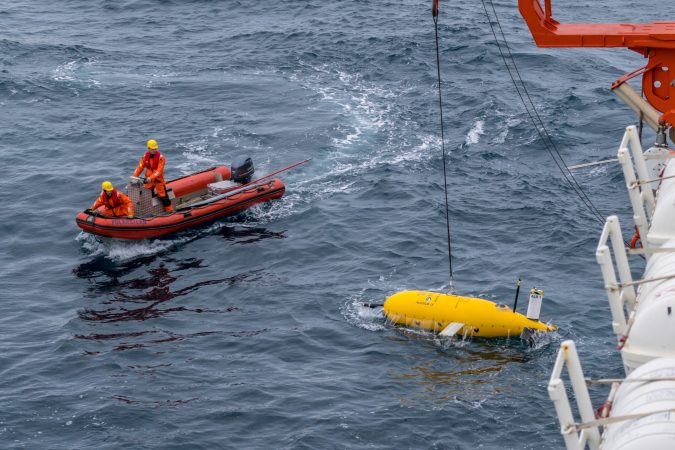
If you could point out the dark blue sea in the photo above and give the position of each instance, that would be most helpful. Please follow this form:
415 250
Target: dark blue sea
249 333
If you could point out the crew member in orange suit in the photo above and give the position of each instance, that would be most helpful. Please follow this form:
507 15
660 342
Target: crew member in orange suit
153 163
113 203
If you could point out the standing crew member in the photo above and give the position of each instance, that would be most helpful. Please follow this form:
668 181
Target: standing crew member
113 203
153 163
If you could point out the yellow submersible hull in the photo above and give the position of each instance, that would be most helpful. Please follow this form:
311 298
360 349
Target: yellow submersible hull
453 314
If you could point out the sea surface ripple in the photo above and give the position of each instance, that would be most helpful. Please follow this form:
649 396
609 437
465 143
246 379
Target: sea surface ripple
248 333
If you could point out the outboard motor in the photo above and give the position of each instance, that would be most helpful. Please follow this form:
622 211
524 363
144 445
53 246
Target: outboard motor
242 170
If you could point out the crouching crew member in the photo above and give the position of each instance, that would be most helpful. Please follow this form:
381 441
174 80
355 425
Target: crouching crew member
153 163
111 202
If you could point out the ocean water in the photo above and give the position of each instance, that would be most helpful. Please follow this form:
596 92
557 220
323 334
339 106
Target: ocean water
249 332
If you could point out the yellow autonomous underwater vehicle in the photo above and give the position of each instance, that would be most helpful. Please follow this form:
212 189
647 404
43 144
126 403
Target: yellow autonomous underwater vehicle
450 315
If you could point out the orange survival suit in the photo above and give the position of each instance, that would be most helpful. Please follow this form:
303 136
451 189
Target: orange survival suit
153 163
115 204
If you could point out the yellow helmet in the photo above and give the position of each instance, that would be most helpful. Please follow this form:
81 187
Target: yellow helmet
152 144
107 186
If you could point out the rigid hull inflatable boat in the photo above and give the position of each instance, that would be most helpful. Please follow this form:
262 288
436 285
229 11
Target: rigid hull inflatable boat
197 198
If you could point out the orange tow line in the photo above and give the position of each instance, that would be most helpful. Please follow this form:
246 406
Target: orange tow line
636 239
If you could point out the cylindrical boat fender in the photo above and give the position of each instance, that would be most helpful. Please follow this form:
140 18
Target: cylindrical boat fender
200 180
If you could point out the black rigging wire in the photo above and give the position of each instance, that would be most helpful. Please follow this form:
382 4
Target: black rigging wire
445 177
535 118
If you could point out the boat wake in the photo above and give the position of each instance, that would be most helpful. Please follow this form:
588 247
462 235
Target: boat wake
121 251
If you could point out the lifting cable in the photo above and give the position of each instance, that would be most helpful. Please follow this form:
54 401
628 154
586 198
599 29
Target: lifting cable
434 13
534 115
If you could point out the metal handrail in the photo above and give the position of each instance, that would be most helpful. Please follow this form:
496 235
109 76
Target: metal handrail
619 294
634 168
569 358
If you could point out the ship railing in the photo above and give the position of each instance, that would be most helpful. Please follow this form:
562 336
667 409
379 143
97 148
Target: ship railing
635 173
576 438
620 293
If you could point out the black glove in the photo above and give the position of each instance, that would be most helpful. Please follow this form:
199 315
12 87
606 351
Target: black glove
146 180
89 211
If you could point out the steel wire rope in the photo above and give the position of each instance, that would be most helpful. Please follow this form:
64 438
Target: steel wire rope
434 14
566 170
540 127
547 139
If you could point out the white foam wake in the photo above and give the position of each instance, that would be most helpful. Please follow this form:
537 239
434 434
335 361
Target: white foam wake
474 134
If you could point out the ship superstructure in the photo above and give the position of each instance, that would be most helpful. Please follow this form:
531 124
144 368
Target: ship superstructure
640 410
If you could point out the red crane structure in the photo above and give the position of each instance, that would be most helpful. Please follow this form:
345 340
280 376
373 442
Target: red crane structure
655 41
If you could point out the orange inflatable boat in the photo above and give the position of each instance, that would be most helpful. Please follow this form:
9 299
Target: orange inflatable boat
197 198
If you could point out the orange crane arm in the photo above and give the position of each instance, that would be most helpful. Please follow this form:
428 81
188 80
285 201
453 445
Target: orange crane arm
655 41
